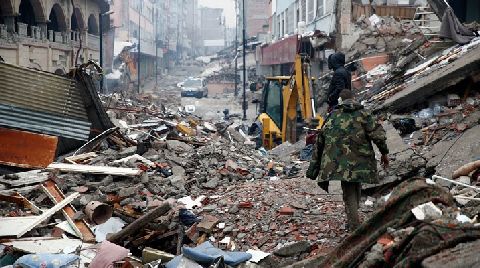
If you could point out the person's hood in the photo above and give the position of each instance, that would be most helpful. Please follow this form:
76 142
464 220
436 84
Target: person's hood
336 60
351 106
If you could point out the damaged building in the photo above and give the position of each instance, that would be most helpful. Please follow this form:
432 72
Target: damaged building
51 36
156 179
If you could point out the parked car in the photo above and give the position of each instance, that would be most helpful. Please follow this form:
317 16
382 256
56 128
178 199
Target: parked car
194 87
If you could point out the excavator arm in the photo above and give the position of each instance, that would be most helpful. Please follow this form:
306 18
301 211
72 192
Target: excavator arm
297 96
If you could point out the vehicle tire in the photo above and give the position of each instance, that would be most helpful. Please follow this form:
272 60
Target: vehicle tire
199 95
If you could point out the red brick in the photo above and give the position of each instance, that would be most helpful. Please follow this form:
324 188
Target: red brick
286 211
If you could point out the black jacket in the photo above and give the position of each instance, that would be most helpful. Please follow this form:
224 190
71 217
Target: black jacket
342 79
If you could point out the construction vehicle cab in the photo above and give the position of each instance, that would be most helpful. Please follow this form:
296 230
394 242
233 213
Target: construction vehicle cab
287 105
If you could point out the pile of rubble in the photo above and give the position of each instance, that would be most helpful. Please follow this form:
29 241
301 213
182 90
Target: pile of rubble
153 182
419 223
381 35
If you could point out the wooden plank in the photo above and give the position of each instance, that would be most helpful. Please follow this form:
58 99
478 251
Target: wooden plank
18 226
79 226
26 149
103 170
74 159
139 223
21 201
24 178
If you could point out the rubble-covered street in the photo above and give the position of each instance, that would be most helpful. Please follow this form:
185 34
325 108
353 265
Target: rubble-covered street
166 158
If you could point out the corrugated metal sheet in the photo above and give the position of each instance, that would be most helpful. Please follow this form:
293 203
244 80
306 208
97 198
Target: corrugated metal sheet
44 123
40 150
42 102
40 91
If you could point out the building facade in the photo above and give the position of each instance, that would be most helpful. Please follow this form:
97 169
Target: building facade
134 22
51 35
178 26
289 20
313 14
257 13
213 30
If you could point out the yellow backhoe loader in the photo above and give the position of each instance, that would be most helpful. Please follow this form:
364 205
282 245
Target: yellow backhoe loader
287 105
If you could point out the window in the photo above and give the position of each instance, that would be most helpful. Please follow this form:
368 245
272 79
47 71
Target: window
297 17
291 20
193 83
279 32
303 9
310 10
273 101
286 31
320 8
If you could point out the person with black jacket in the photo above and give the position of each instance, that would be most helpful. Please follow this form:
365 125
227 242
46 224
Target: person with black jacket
342 78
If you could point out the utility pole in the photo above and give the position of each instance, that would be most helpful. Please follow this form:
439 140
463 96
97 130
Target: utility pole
236 48
244 106
100 21
178 30
194 32
138 61
156 47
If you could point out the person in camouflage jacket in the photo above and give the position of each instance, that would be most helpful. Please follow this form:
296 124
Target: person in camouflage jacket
343 151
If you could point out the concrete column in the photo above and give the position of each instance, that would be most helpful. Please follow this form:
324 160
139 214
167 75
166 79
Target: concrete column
3 31
22 29
10 22
343 22
43 30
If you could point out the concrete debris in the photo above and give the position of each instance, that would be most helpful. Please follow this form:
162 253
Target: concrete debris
163 176
427 211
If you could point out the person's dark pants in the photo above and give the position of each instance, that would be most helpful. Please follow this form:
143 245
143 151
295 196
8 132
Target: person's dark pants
351 198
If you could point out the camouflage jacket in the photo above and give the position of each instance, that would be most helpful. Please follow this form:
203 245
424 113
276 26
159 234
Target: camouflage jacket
343 150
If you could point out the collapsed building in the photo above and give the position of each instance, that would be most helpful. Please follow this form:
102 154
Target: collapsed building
134 180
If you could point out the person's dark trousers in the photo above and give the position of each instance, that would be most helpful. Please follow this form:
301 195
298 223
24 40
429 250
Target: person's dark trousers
351 198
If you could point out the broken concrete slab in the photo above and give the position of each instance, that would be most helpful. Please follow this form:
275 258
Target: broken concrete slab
438 80
207 224
293 249
179 146
447 155
462 255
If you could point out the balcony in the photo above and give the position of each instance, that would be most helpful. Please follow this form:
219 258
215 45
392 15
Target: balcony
40 35
93 41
